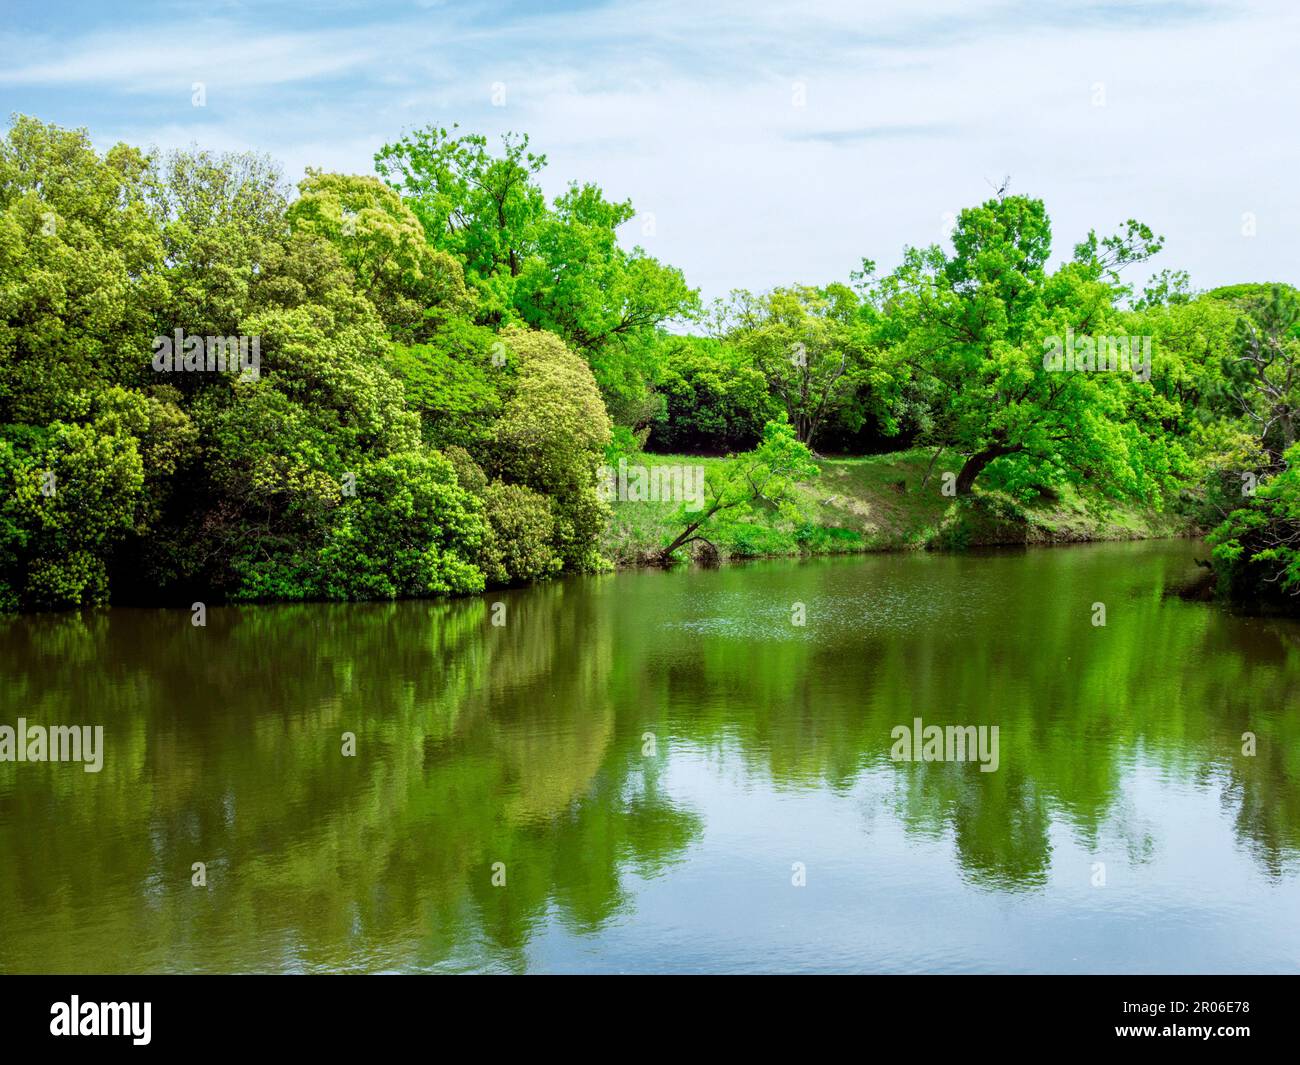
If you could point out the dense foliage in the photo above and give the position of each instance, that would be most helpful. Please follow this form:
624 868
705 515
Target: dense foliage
399 385
309 467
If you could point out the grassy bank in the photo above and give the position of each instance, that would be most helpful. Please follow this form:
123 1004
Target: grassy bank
882 503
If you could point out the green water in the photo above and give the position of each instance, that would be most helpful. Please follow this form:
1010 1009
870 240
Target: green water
649 755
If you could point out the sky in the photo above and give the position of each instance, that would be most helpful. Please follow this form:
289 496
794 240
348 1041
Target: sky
761 144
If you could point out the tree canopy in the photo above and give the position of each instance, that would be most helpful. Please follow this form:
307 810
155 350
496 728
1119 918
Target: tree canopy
404 383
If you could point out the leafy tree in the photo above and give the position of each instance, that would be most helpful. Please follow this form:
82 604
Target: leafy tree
557 267
442 351
1193 339
1264 376
73 492
520 545
1252 451
811 347
412 285
551 436
325 416
519 542
84 463
455 381
1256 549
714 398
219 217
764 476
583 286
969 331
482 208
81 262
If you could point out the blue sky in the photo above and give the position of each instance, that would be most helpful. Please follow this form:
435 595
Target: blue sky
771 143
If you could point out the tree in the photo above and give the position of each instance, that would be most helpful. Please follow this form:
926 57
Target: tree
1256 549
412 285
1264 375
550 437
456 381
220 216
84 461
558 267
521 540
1252 453
968 334
81 270
324 488
714 398
766 475
584 286
810 345
483 208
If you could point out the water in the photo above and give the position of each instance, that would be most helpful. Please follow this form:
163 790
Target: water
649 755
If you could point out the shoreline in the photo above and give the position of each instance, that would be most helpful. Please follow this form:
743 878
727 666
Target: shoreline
883 503
889 503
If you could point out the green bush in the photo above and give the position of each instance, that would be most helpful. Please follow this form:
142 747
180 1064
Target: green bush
1254 550
551 437
521 542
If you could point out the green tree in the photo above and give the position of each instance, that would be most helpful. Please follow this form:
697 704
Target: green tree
809 344
482 208
1252 470
72 492
584 286
455 381
1264 375
84 462
412 285
81 270
520 545
714 398
968 333
551 436
1256 548
557 267
764 476
220 216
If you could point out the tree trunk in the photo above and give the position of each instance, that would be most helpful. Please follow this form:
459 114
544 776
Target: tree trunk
687 534
974 465
691 532
930 468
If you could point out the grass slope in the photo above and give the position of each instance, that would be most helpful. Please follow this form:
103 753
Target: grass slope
877 503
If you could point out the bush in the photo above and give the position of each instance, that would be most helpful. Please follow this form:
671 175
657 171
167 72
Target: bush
1253 550
551 437
520 542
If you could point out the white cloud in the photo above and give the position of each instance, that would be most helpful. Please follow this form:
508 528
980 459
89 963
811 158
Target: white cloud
688 109
216 53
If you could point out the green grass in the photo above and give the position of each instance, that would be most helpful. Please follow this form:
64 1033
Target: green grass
877 503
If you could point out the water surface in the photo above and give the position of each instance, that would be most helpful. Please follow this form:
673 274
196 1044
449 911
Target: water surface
647 756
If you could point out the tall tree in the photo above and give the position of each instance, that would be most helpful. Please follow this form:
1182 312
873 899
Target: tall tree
968 332
809 343
555 266
414 287
1264 373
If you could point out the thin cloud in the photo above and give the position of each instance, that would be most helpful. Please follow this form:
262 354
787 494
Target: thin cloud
772 143
224 54
874 133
